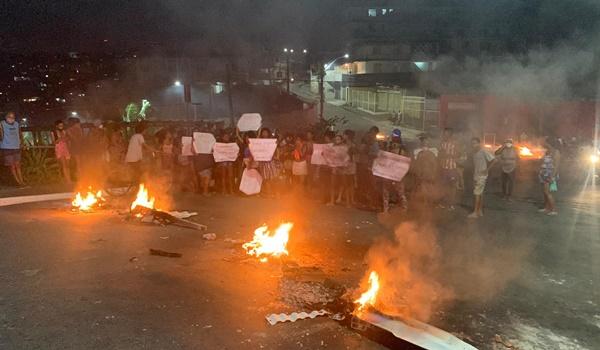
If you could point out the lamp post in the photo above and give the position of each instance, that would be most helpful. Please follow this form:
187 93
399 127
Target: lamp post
288 52
321 74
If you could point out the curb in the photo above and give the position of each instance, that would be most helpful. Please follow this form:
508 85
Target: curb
34 198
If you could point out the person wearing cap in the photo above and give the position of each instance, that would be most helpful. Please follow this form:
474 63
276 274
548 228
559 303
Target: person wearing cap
508 156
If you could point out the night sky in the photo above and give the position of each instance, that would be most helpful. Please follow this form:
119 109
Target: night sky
176 24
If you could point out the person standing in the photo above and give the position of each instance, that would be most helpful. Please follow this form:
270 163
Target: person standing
61 149
10 145
300 164
482 162
448 157
548 176
135 152
508 156
425 168
76 143
390 187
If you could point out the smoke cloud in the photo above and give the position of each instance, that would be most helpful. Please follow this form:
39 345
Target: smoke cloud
567 70
421 274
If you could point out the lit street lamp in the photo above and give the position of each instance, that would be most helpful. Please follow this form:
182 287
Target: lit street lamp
287 66
177 83
327 66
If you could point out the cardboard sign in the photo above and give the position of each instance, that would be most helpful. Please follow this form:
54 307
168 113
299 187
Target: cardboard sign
186 146
251 182
317 155
249 122
225 152
263 149
336 156
203 142
390 166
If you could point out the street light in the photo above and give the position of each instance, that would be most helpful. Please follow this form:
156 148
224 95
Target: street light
305 51
74 114
327 66
285 49
177 83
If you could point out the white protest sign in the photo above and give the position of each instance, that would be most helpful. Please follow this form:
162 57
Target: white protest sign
186 146
251 182
317 155
336 156
225 152
390 166
263 149
249 122
203 142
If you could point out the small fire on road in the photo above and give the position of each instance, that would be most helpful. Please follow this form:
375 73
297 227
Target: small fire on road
88 202
266 244
368 298
143 199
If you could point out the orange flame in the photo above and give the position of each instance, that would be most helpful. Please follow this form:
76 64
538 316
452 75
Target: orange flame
525 152
143 199
265 243
86 203
368 298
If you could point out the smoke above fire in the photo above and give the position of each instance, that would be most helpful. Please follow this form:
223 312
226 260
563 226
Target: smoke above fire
421 272
567 70
409 267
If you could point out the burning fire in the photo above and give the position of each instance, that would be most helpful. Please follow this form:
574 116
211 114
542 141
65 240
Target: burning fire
265 243
368 298
90 200
143 199
525 152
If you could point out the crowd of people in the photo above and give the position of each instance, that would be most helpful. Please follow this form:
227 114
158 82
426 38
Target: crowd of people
435 177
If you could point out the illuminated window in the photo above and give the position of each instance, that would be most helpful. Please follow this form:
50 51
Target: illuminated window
383 11
372 12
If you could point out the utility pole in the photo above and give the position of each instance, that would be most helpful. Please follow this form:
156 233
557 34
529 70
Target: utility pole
287 72
229 97
321 75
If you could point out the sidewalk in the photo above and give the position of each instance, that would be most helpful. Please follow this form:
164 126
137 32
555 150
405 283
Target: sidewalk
356 118
9 191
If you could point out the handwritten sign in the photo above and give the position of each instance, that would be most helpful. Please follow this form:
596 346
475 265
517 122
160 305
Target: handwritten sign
186 146
263 149
390 166
203 142
225 152
317 155
336 156
249 122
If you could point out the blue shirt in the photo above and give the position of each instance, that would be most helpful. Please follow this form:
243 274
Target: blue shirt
10 135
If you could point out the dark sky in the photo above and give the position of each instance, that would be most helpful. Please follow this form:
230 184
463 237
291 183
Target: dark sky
181 25
42 25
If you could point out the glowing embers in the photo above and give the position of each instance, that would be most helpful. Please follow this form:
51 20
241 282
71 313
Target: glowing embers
266 244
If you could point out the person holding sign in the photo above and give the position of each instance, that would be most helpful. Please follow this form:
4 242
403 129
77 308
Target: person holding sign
225 168
391 187
268 169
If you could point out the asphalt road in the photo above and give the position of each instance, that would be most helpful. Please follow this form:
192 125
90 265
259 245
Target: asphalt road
86 281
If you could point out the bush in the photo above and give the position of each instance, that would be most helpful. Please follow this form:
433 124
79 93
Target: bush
38 167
